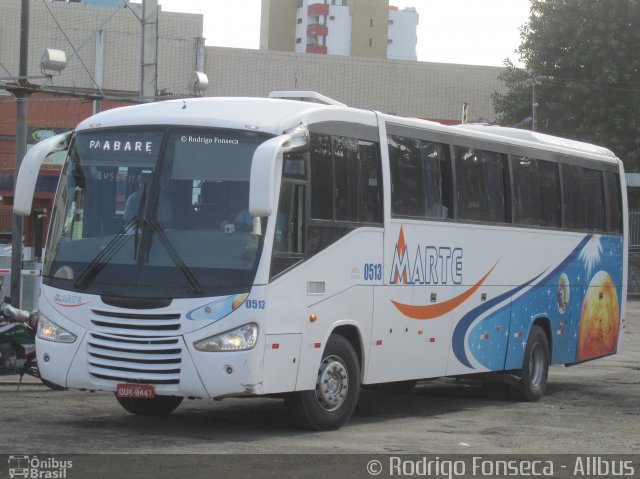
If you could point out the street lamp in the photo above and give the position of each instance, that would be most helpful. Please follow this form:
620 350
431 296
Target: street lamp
53 62
198 83
537 80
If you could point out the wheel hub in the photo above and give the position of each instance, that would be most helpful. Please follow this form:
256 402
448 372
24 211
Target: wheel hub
332 384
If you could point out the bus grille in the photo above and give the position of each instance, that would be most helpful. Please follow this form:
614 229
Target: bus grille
135 324
135 360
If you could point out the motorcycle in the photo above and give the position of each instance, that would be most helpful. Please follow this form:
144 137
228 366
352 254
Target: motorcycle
17 343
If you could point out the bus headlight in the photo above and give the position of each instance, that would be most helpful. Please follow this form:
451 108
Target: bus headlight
240 339
50 331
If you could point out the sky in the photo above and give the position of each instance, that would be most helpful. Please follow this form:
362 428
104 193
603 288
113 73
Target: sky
474 32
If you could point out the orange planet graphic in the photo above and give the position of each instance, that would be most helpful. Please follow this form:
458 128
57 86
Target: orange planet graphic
600 319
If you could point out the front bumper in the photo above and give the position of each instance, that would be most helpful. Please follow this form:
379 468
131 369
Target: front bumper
99 361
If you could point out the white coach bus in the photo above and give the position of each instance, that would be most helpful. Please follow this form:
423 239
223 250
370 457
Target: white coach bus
222 247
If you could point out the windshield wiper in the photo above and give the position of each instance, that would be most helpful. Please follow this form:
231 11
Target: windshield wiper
114 245
175 257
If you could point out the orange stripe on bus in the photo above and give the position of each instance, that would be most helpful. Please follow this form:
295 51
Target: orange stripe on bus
430 311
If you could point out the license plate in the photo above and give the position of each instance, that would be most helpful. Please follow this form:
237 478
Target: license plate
137 391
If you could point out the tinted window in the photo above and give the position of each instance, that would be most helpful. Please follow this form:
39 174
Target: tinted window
526 193
407 185
575 211
437 180
614 202
584 198
594 188
289 237
321 177
421 180
370 183
345 156
550 197
346 181
536 191
482 185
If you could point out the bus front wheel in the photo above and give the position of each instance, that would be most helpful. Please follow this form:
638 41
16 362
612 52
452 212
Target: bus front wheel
337 390
535 367
158 406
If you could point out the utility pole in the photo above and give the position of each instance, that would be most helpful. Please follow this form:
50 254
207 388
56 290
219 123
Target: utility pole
22 96
149 71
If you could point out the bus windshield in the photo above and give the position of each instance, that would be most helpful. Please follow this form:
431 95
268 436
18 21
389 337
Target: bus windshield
155 213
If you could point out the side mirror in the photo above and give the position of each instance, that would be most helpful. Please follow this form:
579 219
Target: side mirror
28 174
265 166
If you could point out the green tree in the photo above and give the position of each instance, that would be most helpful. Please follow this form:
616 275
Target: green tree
586 56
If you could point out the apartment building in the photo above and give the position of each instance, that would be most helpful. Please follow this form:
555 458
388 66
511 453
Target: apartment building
364 28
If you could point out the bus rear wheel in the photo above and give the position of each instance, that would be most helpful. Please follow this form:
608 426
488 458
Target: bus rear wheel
158 406
337 390
535 368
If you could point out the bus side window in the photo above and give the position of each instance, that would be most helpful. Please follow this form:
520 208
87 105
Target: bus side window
407 184
322 187
438 189
550 197
346 167
575 216
536 189
482 187
289 237
583 198
370 183
614 202
421 179
594 187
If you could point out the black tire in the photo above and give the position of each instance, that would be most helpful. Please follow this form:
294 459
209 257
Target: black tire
535 368
329 409
158 406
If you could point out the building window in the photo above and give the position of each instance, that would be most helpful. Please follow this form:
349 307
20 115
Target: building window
298 40
389 41
390 22
370 42
299 21
371 23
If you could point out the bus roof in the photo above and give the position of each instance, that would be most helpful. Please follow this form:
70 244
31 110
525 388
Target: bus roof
540 138
259 114
285 110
